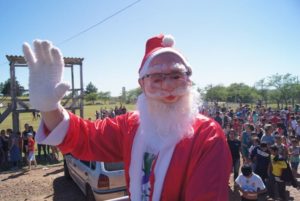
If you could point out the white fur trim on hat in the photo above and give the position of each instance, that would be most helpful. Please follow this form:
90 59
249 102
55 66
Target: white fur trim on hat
145 67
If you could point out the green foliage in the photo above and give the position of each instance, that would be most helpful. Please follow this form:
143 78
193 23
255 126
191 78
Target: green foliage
278 89
236 92
104 96
275 96
91 97
5 88
217 93
123 97
132 95
262 90
285 86
1 86
90 88
240 92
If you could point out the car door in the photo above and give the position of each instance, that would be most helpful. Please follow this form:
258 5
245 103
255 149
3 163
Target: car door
71 163
82 171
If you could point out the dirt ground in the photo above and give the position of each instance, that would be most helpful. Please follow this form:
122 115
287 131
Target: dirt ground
48 183
40 184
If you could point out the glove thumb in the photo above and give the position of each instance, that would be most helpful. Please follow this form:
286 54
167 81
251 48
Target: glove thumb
60 89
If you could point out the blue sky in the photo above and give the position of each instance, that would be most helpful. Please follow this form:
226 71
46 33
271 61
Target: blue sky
225 41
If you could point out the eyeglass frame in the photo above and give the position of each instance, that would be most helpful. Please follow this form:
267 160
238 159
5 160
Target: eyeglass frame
188 73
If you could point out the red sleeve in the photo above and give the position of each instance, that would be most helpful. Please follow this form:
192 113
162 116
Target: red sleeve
208 176
101 140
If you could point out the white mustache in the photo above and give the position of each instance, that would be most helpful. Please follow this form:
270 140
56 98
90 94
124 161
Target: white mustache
176 92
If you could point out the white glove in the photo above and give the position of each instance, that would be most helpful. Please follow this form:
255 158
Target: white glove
46 66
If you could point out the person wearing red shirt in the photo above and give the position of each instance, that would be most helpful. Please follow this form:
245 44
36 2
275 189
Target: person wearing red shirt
170 151
275 119
31 155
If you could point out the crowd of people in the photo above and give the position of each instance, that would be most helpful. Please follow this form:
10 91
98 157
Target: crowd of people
17 149
111 113
267 142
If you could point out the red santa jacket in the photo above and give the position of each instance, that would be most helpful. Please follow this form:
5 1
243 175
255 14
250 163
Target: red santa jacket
199 168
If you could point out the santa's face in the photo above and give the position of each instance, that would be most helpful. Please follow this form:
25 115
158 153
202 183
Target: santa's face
167 79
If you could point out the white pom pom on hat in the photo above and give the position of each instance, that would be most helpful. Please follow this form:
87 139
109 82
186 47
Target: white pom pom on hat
168 41
157 45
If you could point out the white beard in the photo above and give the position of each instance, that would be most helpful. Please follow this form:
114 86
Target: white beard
165 124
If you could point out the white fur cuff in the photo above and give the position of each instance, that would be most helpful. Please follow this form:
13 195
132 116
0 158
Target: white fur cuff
57 135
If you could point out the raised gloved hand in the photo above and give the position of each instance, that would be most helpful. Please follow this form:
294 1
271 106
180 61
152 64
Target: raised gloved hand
46 66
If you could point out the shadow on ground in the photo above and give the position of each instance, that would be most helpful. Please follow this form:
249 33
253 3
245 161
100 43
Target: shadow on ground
65 189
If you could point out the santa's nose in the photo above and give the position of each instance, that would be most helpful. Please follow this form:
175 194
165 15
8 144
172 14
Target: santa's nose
167 84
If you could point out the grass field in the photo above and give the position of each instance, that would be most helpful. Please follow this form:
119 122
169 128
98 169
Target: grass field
89 112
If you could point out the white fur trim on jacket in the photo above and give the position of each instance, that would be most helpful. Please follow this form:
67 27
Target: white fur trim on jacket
57 135
135 170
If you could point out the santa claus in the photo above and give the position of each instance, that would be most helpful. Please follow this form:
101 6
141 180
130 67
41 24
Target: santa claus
170 151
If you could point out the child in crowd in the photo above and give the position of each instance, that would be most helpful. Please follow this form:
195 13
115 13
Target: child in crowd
249 184
31 156
235 149
246 142
277 165
260 157
294 152
15 151
255 144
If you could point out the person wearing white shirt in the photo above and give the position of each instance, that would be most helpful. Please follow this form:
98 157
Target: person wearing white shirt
293 123
249 184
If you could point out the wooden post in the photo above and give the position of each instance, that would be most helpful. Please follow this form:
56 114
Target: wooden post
81 91
73 91
13 94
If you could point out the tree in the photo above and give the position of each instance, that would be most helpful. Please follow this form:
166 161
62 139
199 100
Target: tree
1 86
242 93
295 88
6 88
248 94
216 93
133 94
91 97
90 88
105 96
262 87
201 92
284 85
275 96
123 95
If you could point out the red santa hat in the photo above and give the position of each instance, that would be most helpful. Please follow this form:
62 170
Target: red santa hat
158 45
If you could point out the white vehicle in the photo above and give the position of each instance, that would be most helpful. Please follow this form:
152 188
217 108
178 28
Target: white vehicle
95 178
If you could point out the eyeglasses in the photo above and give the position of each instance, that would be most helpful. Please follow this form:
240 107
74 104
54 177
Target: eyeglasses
174 76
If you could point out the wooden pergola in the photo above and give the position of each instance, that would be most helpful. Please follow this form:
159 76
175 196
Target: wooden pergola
18 106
